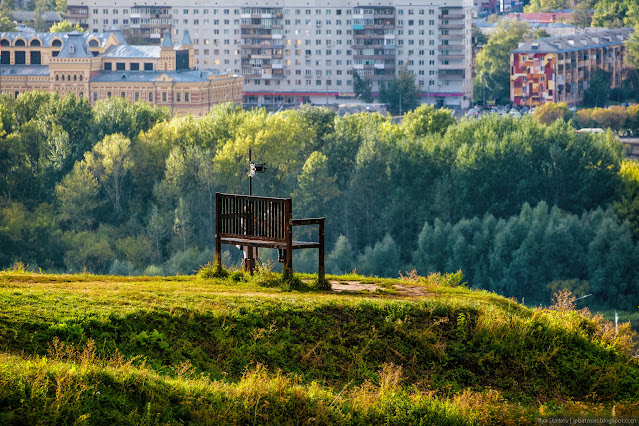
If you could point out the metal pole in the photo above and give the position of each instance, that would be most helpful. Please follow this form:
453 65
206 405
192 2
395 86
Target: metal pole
250 177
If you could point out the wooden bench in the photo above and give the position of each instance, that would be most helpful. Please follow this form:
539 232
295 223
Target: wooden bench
262 222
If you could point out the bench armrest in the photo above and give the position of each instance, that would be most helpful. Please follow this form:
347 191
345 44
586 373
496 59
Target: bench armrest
309 221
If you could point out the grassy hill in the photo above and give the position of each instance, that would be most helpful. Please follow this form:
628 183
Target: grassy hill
85 349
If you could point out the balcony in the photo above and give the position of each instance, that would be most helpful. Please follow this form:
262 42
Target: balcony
451 26
452 16
451 47
76 12
451 36
445 57
459 66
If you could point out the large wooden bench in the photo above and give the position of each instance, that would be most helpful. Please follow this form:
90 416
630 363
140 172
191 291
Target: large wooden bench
254 222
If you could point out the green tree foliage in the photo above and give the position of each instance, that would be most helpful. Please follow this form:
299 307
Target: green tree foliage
547 5
598 90
316 186
362 87
381 260
627 207
523 254
425 119
342 258
61 6
400 94
65 27
550 111
580 15
615 13
493 61
6 16
41 7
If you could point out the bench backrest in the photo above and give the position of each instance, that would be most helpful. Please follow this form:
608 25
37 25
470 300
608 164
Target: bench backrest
254 218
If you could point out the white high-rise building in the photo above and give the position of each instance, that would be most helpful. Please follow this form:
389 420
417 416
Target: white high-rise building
293 51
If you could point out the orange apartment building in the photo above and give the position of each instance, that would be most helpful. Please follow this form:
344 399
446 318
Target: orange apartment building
103 65
558 69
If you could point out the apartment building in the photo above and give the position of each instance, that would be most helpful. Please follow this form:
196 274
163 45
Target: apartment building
558 69
102 65
293 51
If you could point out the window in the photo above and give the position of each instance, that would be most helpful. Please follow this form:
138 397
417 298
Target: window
107 66
134 66
123 94
178 97
186 96
95 96
108 94
163 96
150 96
120 66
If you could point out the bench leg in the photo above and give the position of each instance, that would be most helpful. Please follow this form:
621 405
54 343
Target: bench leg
320 269
249 260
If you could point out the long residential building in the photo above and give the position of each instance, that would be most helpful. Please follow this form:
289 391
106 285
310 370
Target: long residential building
103 65
558 69
293 51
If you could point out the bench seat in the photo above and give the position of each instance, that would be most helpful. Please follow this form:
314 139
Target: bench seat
267 243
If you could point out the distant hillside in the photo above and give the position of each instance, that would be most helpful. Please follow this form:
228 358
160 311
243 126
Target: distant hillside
85 349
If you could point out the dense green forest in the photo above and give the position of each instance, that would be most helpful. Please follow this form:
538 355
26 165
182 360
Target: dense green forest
521 207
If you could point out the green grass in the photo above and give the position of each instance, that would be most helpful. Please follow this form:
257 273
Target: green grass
147 350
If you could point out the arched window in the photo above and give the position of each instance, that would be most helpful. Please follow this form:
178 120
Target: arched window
80 77
75 78
94 43
35 43
56 43
69 77
62 77
19 42
5 43
57 77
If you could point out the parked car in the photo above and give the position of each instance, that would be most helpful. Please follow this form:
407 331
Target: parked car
514 113
473 112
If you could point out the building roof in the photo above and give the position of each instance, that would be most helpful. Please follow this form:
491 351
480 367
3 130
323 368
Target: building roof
130 51
576 41
151 76
186 38
25 70
166 42
75 47
47 38
22 16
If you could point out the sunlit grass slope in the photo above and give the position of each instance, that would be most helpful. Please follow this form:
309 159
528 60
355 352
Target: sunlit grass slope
139 350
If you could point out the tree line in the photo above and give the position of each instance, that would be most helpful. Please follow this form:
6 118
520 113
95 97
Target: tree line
123 188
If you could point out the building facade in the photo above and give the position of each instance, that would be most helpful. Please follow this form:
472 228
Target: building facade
293 51
102 65
558 69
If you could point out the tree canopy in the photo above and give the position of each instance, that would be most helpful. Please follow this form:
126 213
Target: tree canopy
493 61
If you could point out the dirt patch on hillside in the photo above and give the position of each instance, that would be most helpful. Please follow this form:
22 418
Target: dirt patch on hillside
352 286
340 286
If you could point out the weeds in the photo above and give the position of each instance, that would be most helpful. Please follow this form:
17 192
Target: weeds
210 270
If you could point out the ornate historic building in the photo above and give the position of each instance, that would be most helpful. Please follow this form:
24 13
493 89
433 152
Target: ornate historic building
102 65
558 69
